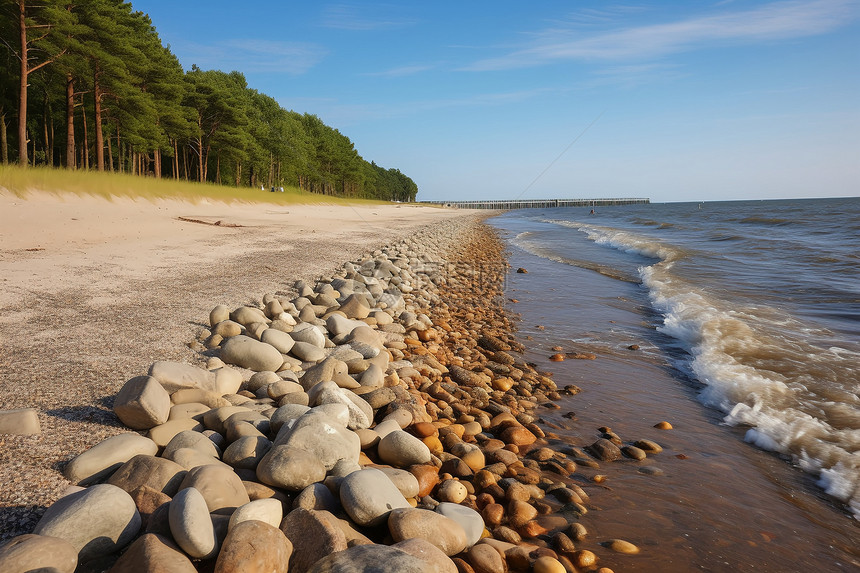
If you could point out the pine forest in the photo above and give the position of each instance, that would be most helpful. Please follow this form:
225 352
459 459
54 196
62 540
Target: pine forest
90 85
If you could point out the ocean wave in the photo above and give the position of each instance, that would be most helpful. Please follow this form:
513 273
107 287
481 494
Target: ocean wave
624 240
789 392
534 248
774 221
758 365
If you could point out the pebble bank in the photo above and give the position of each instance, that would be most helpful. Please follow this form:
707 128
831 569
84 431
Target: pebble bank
381 419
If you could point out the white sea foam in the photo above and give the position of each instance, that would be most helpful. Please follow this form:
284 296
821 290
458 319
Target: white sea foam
786 406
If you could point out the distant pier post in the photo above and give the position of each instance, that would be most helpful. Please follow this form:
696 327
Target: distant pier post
540 203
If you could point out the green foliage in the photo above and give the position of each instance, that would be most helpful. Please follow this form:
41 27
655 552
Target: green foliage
135 109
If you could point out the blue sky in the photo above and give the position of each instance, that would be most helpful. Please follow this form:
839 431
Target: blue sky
676 101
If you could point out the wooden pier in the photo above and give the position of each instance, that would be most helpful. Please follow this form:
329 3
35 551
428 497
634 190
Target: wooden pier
539 203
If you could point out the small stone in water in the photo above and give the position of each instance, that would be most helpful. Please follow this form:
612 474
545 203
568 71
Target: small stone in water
663 425
522 271
621 546
557 357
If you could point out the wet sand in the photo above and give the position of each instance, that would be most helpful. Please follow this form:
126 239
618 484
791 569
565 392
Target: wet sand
718 503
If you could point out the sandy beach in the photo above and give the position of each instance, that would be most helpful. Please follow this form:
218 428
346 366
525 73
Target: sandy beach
93 291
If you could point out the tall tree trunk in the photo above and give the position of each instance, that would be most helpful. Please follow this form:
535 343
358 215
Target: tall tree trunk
100 143
205 163
47 140
22 96
157 161
185 161
218 168
70 122
110 153
86 163
50 119
200 169
119 152
4 142
175 160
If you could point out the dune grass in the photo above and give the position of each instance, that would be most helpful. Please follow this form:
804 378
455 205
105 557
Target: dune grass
20 182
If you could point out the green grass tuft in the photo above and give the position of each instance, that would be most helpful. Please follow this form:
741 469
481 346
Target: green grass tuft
20 182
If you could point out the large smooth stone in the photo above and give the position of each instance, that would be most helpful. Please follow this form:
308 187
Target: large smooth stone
313 535
376 558
268 510
405 481
227 328
245 453
443 532
323 372
307 352
485 558
105 457
151 553
373 377
285 415
282 341
227 380
158 473
20 422
317 433
248 315
219 314
317 496
190 458
98 521
428 553
191 525
604 450
254 547
291 468
175 376
214 419
251 354
219 486
34 552
360 414
309 334
142 403
162 434
402 449
193 440
368 496
207 397
469 519
355 306
338 324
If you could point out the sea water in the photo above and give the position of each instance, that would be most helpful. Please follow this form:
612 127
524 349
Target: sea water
746 320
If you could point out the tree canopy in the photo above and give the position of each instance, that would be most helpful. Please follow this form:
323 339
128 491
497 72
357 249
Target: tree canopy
91 86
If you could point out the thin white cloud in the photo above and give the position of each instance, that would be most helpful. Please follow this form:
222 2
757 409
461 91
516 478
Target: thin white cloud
775 21
364 17
254 55
401 71
630 76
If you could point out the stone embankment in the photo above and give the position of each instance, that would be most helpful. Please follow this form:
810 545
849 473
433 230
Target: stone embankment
381 419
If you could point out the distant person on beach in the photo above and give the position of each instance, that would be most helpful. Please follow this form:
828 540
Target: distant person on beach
592 212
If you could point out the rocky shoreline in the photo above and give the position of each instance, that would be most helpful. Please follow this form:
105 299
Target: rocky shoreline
379 418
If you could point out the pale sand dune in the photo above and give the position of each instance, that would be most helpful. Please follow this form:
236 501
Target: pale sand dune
50 241
93 291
